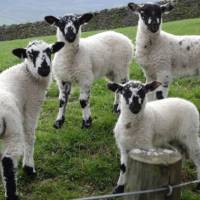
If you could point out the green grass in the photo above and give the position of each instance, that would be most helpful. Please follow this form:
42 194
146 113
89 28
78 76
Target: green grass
73 162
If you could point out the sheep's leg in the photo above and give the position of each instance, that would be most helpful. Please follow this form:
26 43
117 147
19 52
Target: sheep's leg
116 105
64 92
193 147
28 160
162 91
85 105
31 113
8 173
150 78
123 167
13 150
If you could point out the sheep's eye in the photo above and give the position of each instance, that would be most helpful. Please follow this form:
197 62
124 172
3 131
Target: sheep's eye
127 93
76 23
141 93
144 15
62 26
48 52
33 54
30 55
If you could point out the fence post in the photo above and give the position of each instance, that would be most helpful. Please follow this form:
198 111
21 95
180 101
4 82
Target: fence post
153 169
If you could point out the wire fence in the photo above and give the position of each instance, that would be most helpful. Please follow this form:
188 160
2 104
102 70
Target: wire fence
168 189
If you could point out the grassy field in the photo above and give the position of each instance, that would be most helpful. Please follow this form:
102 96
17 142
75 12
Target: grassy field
73 162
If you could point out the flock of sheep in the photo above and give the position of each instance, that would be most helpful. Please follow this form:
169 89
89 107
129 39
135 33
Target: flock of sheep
143 122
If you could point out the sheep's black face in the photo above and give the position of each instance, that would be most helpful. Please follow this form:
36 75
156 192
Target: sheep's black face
151 14
69 25
134 93
38 56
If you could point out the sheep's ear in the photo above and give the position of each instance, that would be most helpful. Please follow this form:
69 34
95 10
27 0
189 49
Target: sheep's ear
134 7
115 87
20 53
52 20
85 18
152 86
57 46
166 8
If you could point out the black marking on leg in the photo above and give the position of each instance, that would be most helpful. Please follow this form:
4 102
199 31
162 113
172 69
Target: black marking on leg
87 123
9 176
67 88
4 128
115 108
62 103
159 95
118 189
123 168
58 124
83 103
29 171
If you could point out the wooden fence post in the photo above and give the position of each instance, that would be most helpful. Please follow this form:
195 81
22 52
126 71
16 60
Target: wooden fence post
153 169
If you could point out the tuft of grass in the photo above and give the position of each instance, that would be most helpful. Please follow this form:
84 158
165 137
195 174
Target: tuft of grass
74 162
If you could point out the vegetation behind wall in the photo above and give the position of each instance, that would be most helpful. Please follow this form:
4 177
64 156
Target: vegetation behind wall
103 20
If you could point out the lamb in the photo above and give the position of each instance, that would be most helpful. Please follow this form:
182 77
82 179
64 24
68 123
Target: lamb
22 90
161 55
85 60
155 124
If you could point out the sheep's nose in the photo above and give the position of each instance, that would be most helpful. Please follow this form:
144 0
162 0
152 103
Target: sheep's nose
44 70
44 64
70 36
154 27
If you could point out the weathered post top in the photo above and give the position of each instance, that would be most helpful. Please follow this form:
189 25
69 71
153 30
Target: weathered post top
156 156
153 169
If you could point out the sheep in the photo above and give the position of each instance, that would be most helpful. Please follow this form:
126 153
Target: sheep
147 125
22 90
161 55
85 60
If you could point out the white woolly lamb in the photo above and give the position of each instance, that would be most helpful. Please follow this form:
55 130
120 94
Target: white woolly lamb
144 125
86 59
22 90
161 55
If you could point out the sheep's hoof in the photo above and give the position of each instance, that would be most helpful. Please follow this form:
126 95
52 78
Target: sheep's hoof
115 109
29 171
118 189
58 124
197 189
13 198
87 123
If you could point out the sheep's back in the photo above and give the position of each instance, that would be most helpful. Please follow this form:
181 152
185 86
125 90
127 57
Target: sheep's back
173 117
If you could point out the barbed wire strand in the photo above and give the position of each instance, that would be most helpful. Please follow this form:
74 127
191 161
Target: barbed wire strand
168 188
